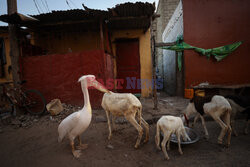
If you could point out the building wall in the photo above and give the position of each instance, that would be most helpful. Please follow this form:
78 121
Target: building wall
63 42
165 9
209 24
173 29
144 50
66 42
56 76
8 76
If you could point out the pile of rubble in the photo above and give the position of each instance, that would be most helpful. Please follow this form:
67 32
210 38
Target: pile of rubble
28 120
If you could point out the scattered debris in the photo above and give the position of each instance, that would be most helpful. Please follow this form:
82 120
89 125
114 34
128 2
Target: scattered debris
100 118
110 146
28 120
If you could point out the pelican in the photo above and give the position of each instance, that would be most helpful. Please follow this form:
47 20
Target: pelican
76 123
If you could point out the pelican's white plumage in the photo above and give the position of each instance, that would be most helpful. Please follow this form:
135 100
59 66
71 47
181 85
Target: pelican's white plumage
76 123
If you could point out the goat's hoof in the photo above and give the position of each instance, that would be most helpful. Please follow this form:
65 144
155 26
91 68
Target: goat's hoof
145 141
167 158
235 134
82 147
219 141
206 137
181 152
158 148
136 146
76 153
109 138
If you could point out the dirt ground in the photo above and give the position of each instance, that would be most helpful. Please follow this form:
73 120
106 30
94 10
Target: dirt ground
38 146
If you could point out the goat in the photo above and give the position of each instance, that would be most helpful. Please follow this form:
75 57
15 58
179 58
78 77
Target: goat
239 104
217 107
169 125
127 105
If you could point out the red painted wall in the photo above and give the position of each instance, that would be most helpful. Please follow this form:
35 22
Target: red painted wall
213 23
56 76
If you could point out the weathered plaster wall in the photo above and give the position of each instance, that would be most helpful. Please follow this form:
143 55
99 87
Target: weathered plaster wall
66 42
165 9
173 29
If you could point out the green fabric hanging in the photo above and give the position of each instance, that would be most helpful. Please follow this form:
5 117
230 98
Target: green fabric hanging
219 53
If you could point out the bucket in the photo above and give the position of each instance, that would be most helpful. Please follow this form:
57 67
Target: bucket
189 93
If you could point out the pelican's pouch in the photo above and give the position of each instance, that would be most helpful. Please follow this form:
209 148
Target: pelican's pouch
54 107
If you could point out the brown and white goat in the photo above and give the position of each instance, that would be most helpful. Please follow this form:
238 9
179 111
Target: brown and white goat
217 107
170 125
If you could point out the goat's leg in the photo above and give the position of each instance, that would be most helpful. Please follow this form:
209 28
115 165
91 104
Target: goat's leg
145 124
81 146
179 142
233 127
168 144
204 126
232 119
195 120
131 119
76 153
226 119
246 127
224 127
163 144
110 131
113 123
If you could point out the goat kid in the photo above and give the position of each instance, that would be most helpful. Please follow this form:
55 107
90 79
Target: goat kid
170 125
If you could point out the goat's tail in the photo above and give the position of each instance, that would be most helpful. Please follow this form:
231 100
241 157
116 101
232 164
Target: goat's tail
139 114
157 136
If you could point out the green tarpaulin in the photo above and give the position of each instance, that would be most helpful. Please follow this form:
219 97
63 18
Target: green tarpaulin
219 53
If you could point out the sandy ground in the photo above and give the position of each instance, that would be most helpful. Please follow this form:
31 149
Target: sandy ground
38 146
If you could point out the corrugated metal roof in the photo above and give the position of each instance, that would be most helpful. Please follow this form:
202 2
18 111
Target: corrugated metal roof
127 15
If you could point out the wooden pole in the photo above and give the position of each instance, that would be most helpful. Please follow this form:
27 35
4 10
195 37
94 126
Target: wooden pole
14 46
154 74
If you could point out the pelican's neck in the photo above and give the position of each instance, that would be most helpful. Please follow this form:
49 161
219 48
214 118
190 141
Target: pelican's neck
86 97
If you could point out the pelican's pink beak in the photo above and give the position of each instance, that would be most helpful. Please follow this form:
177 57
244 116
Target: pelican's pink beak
99 86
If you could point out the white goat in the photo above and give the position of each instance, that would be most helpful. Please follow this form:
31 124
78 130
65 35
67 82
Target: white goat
218 107
170 125
127 105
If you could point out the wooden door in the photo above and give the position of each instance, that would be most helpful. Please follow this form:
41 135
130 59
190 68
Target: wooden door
128 64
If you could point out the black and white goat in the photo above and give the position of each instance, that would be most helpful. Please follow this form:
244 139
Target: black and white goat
215 106
239 104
